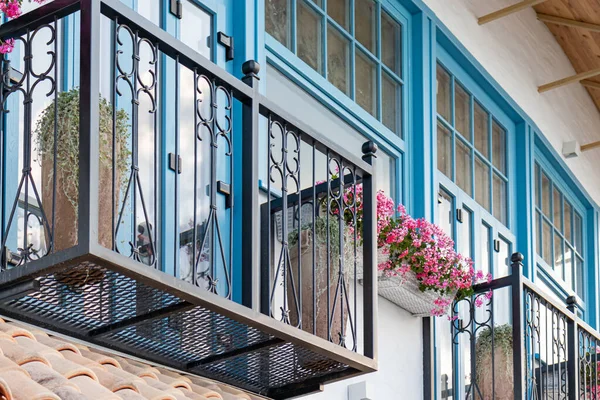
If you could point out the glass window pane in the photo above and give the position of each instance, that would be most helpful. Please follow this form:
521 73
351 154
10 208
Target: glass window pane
499 198
462 111
547 242
149 9
499 147
537 185
558 254
391 104
338 60
309 27
482 183
538 232
557 209
577 233
546 196
443 93
364 28
503 260
569 267
480 129
466 240
391 43
463 166
444 150
277 20
339 11
196 28
580 289
366 84
567 216
445 213
484 262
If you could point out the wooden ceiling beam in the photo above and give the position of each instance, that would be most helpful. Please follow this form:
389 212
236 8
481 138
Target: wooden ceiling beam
508 11
568 80
568 22
590 84
590 146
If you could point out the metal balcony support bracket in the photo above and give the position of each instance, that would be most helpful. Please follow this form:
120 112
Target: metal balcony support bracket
89 122
572 351
19 290
370 253
235 353
250 193
518 321
142 318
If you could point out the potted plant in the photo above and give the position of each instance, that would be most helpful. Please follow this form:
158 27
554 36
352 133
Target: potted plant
302 258
419 269
494 362
66 174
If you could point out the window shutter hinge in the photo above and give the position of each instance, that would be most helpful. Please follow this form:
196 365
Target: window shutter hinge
225 189
176 8
459 215
175 163
227 42
496 245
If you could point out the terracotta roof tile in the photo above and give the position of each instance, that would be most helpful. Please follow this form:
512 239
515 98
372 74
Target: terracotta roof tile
38 366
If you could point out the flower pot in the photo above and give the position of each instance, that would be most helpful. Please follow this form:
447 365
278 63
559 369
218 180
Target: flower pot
494 378
323 284
403 290
66 214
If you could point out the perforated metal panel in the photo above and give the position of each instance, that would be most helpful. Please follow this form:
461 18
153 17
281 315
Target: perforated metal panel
102 306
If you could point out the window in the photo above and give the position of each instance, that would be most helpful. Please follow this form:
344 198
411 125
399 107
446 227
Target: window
347 54
471 146
559 228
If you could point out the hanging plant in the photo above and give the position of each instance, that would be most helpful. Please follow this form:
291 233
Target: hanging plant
67 147
11 9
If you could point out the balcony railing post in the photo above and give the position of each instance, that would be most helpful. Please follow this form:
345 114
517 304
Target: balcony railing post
250 208
89 62
572 350
518 320
370 253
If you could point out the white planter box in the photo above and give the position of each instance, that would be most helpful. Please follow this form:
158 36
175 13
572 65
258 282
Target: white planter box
405 293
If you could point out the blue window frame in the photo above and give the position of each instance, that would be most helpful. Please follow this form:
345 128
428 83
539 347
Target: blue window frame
357 45
560 231
471 145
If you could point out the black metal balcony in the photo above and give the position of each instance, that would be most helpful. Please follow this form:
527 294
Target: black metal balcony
521 343
132 215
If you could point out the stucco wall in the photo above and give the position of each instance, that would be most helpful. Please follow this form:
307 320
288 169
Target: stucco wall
400 374
521 54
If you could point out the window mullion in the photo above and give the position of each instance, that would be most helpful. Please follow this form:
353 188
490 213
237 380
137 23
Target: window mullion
294 28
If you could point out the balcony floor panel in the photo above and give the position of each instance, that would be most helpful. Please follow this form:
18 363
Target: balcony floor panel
97 304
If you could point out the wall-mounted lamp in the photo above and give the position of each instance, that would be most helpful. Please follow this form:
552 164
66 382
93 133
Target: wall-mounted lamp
572 149
360 391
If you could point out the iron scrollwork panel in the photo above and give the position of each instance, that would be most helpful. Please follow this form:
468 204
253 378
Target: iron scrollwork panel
133 185
29 223
312 241
212 247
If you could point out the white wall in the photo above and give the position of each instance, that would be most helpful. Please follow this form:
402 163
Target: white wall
521 54
400 374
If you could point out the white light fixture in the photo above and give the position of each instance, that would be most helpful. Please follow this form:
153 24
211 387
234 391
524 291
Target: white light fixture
571 149
360 391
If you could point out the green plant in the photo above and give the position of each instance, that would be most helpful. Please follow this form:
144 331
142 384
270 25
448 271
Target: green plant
320 231
67 146
491 340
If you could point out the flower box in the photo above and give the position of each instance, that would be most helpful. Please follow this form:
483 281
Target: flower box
404 292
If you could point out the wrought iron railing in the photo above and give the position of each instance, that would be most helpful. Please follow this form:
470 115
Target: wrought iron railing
521 343
151 175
